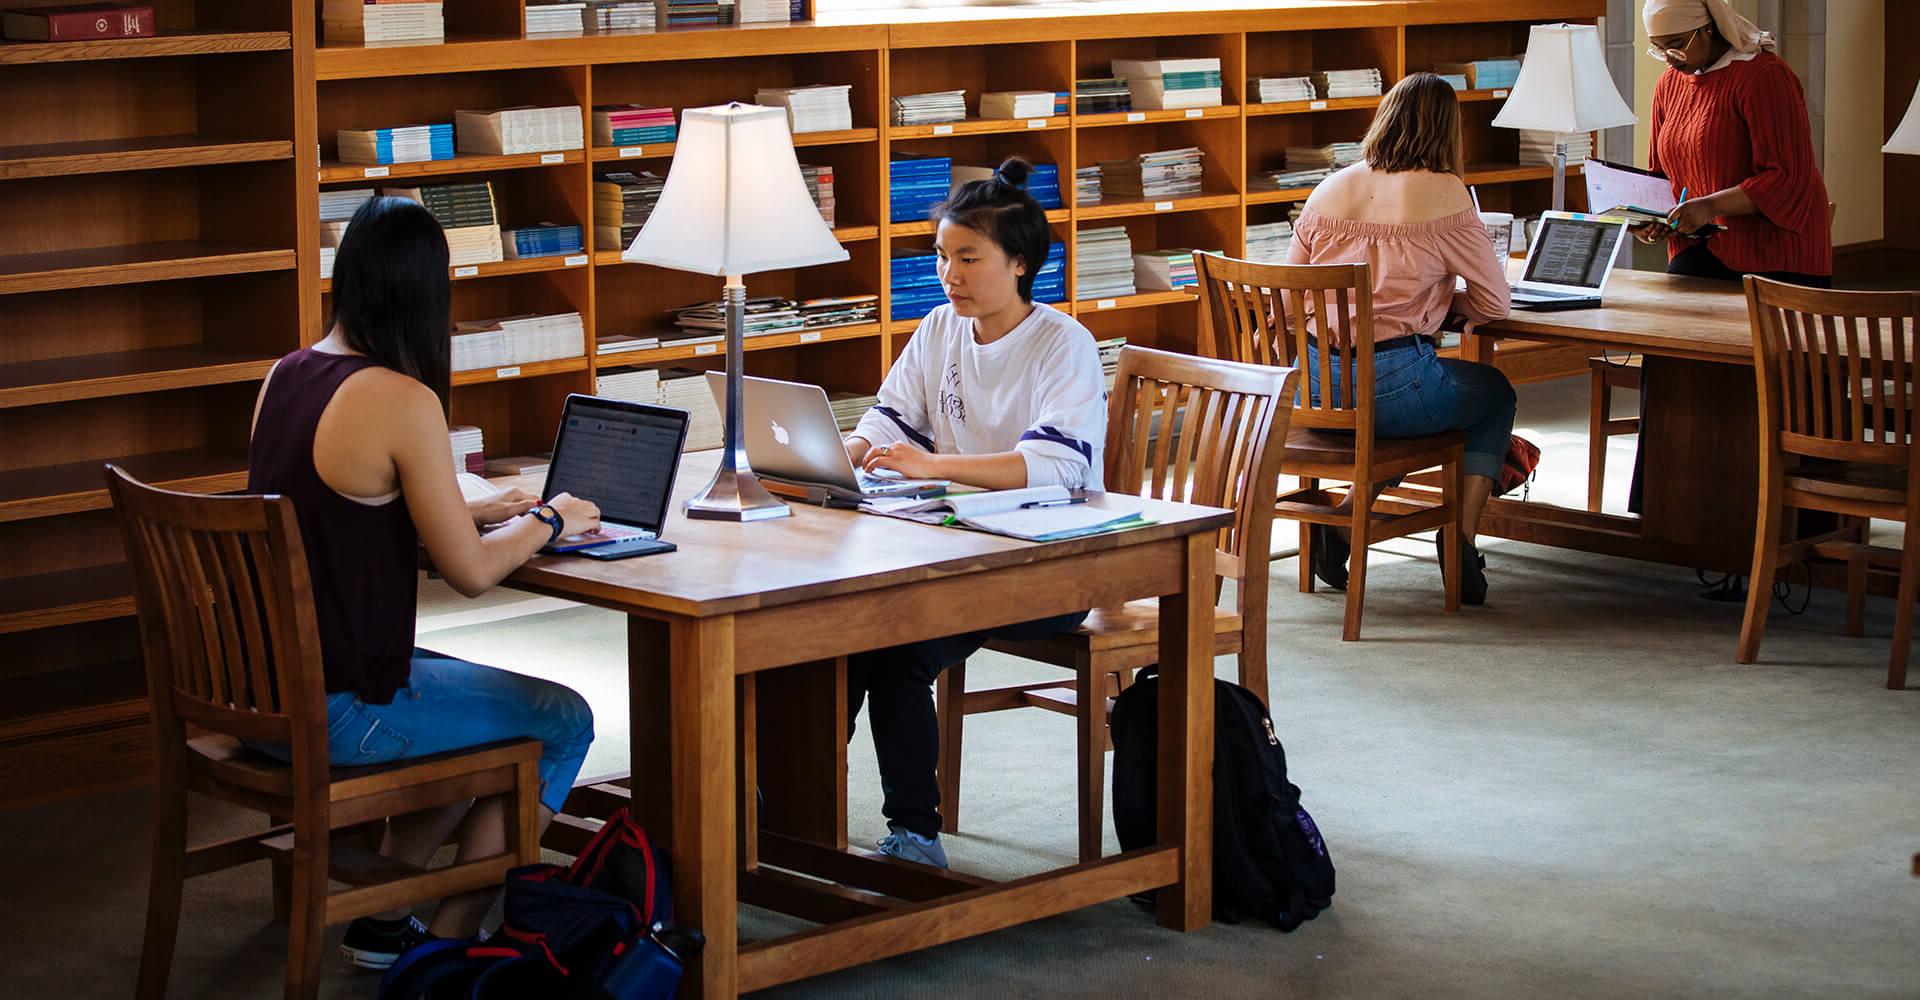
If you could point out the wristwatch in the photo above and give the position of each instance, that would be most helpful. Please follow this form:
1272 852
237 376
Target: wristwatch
546 515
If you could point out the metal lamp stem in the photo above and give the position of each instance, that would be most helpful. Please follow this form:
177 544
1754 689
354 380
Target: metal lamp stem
735 493
1560 177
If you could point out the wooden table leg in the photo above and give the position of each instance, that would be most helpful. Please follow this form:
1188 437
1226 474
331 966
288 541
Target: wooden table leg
1185 796
648 645
700 701
803 761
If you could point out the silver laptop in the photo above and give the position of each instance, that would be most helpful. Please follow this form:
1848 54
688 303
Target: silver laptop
1569 262
791 437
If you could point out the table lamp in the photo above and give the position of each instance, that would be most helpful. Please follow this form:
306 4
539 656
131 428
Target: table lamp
1564 87
1906 138
734 204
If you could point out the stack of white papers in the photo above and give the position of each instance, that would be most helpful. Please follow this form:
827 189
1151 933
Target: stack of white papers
399 144
1087 188
1331 156
1287 179
1276 89
520 130
817 108
849 407
761 11
620 15
469 449
1104 263
1348 82
548 16
1537 146
624 343
1155 84
932 109
688 390
635 385
381 20
1268 242
1163 174
474 245
517 340
1016 104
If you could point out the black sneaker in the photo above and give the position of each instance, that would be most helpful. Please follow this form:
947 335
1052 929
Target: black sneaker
375 944
1473 582
1330 553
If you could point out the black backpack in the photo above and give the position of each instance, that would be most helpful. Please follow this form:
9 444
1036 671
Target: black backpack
1269 860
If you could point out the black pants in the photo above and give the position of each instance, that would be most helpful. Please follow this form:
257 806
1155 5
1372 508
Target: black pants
897 685
1698 261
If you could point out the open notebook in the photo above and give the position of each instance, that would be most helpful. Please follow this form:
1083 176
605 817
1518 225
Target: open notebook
1013 513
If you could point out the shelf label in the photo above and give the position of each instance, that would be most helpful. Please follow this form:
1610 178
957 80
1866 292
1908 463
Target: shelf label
943 130
1316 105
1106 304
810 337
1136 116
376 172
706 348
576 260
507 372
1036 123
1196 112
546 158
1163 206
468 271
629 152
1499 93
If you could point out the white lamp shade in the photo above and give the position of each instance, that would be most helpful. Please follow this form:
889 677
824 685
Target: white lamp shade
1906 138
1564 85
734 202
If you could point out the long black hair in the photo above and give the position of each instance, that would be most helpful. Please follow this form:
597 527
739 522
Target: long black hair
1000 207
391 295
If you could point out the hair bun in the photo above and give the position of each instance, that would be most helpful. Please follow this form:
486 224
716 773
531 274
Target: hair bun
1014 171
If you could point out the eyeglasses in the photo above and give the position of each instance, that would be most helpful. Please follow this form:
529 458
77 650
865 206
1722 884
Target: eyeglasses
1679 53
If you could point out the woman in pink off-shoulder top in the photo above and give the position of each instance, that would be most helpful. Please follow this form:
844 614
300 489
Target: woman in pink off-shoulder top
1405 211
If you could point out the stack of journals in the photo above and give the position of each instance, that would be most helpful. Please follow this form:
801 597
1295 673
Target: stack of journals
1348 82
546 239
816 108
930 109
768 314
1287 179
763 11
687 389
1110 357
846 310
1155 84
469 449
1268 242
624 343
635 385
849 407
381 20
1457 81
633 125
400 144
1483 74
1050 285
336 210
1164 270
1099 97
519 130
517 340
676 13
1087 189
1331 156
1537 146
1043 182
917 183
622 203
1018 104
820 185
550 16
1164 174
915 280
1104 269
1277 89
620 15
466 212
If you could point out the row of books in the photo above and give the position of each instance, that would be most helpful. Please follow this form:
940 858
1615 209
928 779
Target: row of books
1102 96
511 131
400 144
544 239
1163 174
361 21
517 340
813 108
772 314
467 213
633 125
1348 82
1331 156
1164 270
1310 86
917 183
1537 146
623 201
1011 104
1287 178
686 389
469 449
915 280
849 407
1269 242
1103 267
951 106
1087 186
1157 84
1483 74
930 109
575 17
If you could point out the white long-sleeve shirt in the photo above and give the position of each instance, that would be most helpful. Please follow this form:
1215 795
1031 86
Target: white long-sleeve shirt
1038 391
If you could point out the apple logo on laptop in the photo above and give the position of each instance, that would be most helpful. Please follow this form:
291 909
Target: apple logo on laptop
780 433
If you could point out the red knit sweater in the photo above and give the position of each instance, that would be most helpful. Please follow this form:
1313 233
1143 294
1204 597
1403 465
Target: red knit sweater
1746 124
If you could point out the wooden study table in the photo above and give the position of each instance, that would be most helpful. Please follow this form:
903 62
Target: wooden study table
712 625
1699 443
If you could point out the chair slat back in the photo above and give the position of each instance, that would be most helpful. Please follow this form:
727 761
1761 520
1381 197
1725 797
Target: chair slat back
226 615
1266 313
1222 427
1834 371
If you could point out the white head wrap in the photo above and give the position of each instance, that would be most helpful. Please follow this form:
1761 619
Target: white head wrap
1673 17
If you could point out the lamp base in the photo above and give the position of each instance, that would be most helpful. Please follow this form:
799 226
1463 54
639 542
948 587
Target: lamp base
735 495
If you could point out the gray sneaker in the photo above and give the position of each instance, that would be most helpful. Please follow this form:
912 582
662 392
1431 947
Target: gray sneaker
909 846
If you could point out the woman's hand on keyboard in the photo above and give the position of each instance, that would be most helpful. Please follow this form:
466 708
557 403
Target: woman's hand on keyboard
576 515
908 459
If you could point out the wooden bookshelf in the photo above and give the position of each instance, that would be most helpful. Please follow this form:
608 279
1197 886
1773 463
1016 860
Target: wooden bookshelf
159 219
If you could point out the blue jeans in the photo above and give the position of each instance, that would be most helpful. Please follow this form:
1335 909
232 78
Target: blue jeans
1416 393
450 704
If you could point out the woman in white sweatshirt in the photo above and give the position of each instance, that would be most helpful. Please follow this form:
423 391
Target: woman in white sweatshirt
996 391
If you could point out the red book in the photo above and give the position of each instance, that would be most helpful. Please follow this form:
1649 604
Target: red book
77 22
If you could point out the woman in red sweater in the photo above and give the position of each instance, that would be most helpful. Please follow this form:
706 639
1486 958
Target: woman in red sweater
1730 129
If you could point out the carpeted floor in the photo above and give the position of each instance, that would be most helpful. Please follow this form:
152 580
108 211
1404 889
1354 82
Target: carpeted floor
1573 791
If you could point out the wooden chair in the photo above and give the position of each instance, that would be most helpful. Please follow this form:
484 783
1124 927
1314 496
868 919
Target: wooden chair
1219 426
1605 376
1834 372
232 653
1259 313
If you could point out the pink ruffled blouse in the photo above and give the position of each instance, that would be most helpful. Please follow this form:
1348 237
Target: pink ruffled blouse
1413 264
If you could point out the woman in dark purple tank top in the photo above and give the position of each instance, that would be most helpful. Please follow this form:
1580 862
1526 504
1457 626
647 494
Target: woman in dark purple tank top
354 431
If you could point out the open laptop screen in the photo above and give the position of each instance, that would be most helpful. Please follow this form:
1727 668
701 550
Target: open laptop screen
1573 252
620 455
